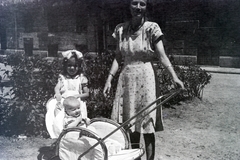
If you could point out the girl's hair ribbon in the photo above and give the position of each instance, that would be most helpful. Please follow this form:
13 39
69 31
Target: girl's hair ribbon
69 53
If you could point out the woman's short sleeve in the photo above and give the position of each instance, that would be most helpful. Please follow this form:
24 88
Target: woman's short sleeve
156 32
116 31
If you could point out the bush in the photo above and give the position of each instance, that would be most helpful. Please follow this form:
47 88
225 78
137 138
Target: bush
33 80
97 73
193 77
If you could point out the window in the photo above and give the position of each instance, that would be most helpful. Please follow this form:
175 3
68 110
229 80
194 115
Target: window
28 46
52 20
52 50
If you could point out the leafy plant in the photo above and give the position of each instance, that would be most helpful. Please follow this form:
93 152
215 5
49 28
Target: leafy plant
97 72
193 77
33 80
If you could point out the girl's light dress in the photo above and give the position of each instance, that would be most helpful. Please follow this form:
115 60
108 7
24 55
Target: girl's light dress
73 86
68 87
136 85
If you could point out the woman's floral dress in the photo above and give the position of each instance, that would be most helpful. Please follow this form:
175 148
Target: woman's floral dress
136 85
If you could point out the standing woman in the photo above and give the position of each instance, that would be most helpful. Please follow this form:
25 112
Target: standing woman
139 42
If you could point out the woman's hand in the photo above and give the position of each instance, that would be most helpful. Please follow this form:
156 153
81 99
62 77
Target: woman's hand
112 72
179 82
107 88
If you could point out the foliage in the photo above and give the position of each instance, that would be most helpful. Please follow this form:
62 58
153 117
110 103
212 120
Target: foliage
33 80
32 85
193 77
97 72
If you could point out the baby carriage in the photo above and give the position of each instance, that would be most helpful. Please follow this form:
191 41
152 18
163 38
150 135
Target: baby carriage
98 141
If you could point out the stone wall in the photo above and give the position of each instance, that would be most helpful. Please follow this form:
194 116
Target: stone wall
31 28
205 30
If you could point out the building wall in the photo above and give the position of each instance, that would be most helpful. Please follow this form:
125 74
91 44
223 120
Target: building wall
47 28
206 29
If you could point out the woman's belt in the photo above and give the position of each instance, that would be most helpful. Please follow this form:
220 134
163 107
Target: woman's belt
135 62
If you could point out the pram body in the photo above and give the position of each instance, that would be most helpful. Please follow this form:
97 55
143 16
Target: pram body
71 143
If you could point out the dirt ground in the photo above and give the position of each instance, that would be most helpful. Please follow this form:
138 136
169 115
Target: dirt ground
196 130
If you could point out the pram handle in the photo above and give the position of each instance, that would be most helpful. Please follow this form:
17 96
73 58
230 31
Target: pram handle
167 97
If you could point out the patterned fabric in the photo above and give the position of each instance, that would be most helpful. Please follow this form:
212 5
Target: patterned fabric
136 86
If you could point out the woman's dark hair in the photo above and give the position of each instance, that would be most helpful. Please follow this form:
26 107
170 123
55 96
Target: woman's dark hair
80 62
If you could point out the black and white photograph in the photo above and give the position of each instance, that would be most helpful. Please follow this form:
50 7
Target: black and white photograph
119 79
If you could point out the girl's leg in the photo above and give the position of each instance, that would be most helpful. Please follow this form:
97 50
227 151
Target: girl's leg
135 140
149 145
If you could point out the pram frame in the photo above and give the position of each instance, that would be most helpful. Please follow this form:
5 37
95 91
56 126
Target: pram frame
88 133
100 141
167 97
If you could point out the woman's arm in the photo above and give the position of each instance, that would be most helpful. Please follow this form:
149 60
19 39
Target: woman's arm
111 74
159 49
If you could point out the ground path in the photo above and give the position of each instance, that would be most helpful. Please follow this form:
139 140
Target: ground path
207 129
199 130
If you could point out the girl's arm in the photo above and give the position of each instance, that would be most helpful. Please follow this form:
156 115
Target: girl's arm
159 49
85 93
57 92
83 89
111 74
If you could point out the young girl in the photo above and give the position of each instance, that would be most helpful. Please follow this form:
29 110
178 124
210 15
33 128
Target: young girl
72 82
